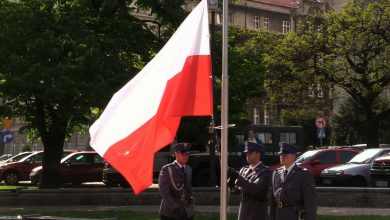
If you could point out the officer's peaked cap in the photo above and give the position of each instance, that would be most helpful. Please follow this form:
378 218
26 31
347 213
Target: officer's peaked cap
182 147
286 148
252 146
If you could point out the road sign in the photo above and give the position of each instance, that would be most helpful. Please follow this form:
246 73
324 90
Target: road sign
320 123
7 136
321 133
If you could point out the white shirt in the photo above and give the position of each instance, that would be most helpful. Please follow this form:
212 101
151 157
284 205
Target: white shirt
288 170
253 167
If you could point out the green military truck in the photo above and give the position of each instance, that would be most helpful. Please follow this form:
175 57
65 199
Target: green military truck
270 136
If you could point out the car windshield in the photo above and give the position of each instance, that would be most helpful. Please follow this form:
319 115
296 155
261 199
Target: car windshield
364 157
18 157
307 155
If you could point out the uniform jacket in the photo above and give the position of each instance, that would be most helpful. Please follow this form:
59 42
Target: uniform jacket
253 186
297 192
174 197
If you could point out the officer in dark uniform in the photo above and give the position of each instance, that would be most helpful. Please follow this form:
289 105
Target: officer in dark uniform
293 190
175 187
253 182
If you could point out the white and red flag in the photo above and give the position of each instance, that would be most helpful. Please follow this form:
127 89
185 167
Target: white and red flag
144 115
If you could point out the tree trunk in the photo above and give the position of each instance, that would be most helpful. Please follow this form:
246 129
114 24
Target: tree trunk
51 176
370 133
53 150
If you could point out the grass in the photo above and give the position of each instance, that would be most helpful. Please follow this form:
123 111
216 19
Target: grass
122 215
9 188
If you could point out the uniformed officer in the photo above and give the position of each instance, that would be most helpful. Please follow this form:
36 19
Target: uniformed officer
175 187
253 182
293 190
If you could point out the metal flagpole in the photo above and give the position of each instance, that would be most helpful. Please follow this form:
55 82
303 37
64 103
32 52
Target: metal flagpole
224 112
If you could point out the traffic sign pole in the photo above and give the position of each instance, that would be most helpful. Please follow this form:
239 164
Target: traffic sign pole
321 132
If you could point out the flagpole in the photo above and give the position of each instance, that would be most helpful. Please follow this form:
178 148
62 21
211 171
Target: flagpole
224 112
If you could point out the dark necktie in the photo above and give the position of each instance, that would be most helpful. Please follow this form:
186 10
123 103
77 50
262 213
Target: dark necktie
285 175
183 169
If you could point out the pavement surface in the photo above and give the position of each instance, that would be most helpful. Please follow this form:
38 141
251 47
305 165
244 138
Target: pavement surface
329 211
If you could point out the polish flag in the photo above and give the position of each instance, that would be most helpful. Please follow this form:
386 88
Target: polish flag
144 115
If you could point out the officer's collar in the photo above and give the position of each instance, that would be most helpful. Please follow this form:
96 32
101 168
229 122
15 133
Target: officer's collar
290 167
178 164
254 167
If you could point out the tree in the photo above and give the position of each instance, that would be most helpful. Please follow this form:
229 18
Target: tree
348 49
246 79
246 69
61 61
305 118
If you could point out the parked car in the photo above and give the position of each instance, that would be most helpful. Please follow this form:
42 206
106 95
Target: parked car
17 157
317 160
13 172
5 157
356 172
76 168
380 171
112 178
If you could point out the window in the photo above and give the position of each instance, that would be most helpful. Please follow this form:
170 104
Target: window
287 137
328 157
97 159
266 117
231 18
265 137
219 18
320 92
266 24
79 159
38 158
256 23
285 27
345 156
256 116
311 91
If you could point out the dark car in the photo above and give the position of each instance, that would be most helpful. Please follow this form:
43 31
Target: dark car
317 160
356 172
14 172
111 177
76 168
380 171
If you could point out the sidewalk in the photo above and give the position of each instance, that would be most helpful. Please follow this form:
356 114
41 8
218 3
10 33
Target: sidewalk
329 211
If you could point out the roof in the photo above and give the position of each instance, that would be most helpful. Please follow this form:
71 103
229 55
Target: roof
284 3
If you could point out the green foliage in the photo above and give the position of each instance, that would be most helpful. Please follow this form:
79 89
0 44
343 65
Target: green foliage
305 118
349 50
246 76
246 69
61 61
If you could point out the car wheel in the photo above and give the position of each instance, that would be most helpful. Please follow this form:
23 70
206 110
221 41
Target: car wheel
11 178
358 182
